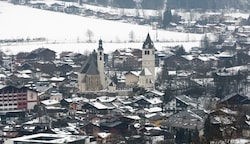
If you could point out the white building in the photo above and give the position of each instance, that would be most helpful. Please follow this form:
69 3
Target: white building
52 138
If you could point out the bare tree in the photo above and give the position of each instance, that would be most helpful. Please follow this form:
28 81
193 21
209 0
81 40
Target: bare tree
89 34
131 36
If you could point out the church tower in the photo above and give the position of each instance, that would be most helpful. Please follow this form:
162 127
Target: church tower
100 64
148 64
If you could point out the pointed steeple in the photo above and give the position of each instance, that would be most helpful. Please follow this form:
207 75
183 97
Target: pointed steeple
148 43
100 45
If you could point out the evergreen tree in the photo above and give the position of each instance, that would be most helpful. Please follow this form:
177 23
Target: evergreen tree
167 18
205 44
207 130
180 51
248 20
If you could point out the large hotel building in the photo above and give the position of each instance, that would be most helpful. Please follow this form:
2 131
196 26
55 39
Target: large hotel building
14 98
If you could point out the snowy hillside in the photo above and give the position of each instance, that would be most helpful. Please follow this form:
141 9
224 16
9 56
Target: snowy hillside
23 22
66 30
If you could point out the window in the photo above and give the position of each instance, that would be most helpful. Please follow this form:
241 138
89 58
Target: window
100 58
146 52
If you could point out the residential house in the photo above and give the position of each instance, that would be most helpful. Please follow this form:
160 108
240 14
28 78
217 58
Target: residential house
131 78
57 7
72 9
185 122
180 103
43 54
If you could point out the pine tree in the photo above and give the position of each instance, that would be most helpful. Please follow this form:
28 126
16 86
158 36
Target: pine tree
248 20
167 18
207 130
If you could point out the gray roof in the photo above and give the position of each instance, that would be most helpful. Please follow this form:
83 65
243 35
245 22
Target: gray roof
89 68
148 43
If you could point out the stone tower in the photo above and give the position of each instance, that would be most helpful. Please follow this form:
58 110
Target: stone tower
100 64
147 76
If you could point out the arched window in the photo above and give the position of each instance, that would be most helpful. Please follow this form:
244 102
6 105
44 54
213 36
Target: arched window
100 58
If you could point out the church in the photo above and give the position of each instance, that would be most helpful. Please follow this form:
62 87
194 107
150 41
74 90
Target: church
146 76
91 76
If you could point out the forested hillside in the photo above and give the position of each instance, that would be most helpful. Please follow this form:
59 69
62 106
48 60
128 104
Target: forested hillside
209 4
185 4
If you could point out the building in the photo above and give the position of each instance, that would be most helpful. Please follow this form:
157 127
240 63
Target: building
91 76
147 75
53 139
13 98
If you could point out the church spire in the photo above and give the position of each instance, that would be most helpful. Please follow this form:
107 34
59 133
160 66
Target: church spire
148 43
100 45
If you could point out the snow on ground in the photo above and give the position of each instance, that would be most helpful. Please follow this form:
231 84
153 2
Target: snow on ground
238 15
111 10
86 48
62 31
22 22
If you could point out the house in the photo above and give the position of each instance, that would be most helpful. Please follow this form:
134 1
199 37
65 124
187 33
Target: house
72 9
180 103
39 5
234 100
97 108
177 62
57 7
131 78
185 121
155 135
90 128
43 54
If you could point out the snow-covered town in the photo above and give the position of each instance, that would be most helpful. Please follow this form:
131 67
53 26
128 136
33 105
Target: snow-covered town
115 72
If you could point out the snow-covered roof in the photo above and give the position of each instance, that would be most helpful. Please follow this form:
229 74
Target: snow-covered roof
50 102
228 111
51 138
157 92
153 109
100 106
106 99
225 54
135 117
145 72
57 79
154 100
26 71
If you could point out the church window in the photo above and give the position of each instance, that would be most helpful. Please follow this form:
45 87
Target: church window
100 58
100 53
146 52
